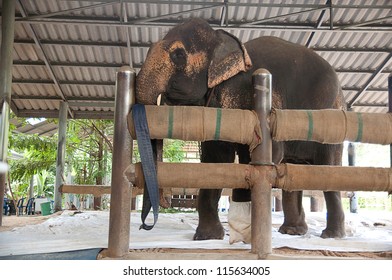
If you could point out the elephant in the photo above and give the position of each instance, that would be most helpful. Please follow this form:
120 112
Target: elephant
195 65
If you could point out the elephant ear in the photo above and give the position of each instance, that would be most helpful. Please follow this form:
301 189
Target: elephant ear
229 58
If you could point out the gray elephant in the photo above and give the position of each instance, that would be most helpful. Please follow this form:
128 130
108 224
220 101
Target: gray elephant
196 65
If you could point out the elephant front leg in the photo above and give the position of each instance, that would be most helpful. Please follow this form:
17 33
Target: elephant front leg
209 226
294 215
335 216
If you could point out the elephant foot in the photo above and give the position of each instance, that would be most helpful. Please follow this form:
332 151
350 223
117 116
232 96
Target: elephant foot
209 232
299 229
164 201
333 233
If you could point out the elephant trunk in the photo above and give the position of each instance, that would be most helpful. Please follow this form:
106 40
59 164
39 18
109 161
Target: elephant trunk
146 90
154 75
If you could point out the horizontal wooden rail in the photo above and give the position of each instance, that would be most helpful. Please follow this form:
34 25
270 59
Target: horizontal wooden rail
99 190
290 177
192 123
96 190
195 175
331 126
327 126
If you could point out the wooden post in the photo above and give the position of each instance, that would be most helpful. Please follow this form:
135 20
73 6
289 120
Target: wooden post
390 108
262 155
7 41
314 204
278 204
120 201
351 162
60 158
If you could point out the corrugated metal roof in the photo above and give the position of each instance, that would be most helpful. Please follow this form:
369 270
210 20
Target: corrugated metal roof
79 45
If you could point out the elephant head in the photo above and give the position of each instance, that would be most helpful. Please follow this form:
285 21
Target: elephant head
188 61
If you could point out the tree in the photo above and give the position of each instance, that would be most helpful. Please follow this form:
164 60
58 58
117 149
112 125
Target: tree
89 146
39 156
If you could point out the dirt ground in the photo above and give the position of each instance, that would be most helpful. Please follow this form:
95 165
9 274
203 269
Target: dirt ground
10 222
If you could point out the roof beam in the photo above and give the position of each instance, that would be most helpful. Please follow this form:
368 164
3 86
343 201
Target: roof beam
318 25
63 12
272 5
72 98
366 22
31 31
108 100
319 8
135 66
376 73
70 64
112 83
135 45
91 104
54 114
114 22
376 105
64 82
210 6
369 89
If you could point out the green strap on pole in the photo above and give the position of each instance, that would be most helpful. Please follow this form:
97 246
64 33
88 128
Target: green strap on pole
218 123
310 125
170 128
360 128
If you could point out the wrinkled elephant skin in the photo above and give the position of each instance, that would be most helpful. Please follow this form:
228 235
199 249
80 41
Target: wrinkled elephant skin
193 58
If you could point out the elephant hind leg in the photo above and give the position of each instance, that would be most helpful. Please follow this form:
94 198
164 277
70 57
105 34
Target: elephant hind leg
332 155
335 216
294 215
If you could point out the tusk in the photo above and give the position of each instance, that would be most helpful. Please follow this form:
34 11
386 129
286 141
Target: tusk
159 99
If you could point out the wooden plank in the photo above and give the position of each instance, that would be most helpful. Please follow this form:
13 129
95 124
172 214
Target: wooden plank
96 190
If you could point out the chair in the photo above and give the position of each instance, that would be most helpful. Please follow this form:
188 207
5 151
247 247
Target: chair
30 206
11 207
6 206
20 205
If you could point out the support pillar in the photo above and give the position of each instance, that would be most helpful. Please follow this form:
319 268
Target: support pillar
278 204
314 204
262 155
7 41
351 162
31 188
120 206
390 108
60 161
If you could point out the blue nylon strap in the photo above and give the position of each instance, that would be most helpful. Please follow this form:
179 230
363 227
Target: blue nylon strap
151 192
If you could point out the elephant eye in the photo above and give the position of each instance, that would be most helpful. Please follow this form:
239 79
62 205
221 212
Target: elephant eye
178 56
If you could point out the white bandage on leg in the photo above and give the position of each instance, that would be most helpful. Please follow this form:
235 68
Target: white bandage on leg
239 219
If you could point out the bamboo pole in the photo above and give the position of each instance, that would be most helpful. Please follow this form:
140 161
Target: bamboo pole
60 158
120 210
262 156
290 177
7 40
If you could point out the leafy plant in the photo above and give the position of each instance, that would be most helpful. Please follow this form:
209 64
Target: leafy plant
173 151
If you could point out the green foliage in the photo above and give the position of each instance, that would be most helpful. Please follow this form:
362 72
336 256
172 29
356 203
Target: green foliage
39 154
89 156
173 151
175 210
88 147
92 157
44 186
